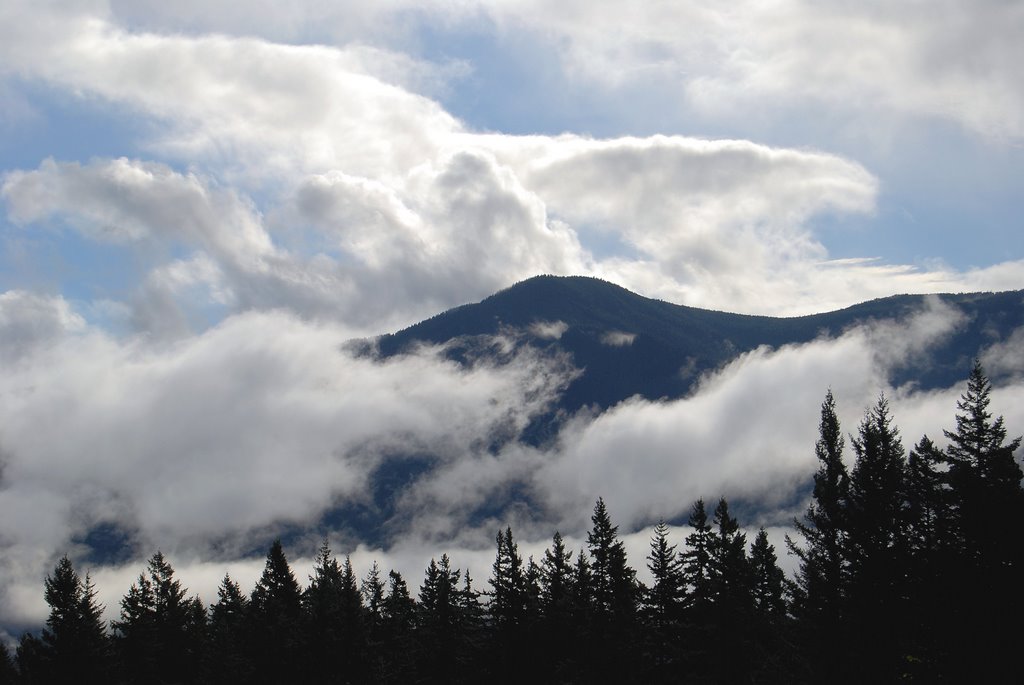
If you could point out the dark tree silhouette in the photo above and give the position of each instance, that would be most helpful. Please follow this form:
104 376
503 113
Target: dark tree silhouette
75 644
276 622
161 632
986 479
876 548
662 609
229 659
615 594
821 580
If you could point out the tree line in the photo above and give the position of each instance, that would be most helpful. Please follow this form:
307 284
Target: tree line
909 569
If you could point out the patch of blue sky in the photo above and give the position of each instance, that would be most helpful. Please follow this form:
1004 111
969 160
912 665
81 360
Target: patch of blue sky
69 127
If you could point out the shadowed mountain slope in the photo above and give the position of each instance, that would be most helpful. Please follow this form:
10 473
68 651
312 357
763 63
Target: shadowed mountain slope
629 345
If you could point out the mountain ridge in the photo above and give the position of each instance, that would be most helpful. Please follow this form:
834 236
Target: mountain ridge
665 347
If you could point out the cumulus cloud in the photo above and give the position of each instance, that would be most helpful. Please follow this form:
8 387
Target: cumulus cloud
29 322
261 422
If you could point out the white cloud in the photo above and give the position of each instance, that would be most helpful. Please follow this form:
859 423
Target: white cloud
617 338
549 330
953 61
260 422
29 322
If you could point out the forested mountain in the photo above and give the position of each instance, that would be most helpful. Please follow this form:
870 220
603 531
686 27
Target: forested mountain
632 345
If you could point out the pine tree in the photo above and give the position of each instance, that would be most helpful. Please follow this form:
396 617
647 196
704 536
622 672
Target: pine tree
439 629
8 674
819 592
731 597
33 664
662 608
398 657
614 581
730 579
876 547
768 581
372 590
229 662
821 579
615 597
74 642
987 500
696 561
276 622
773 655
507 606
160 635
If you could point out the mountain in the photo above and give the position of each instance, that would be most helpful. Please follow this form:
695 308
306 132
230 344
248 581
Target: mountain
662 348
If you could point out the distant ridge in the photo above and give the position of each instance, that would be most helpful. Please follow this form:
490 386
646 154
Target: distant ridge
663 347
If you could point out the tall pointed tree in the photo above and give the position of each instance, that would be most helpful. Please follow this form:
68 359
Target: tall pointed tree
276 622
74 640
227 635
507 606
398 657
768 580
664 597
821 578
877 548
987 502
662 609
160 636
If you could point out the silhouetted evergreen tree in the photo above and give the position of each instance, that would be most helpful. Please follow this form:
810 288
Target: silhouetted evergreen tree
821 580
398 657
74 642
986 480
877 548
33 664
440 629
507 606
555 637
615 597
336 639
8 674
774 656
662 609
161 632
372 590
731 597
276 622
228 655
768 592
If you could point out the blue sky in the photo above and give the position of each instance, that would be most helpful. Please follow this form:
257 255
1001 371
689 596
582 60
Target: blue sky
199 202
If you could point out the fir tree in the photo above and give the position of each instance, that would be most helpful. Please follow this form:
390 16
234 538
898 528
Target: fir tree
768 581
160 634
8 674
731 600
822 575
876 547
74 641
696 560
229 662
821 583
439 629
507 605
662 607
987 499
276 621
398 658
615 597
